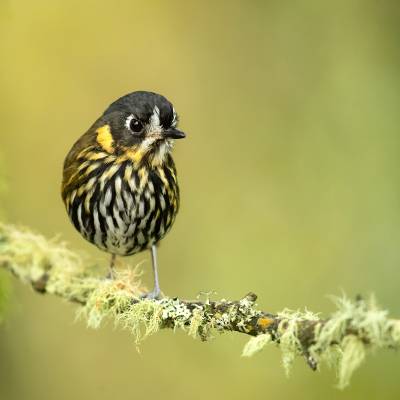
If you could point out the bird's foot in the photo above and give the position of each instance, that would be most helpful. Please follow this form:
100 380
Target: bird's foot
111 269
111 274
155 294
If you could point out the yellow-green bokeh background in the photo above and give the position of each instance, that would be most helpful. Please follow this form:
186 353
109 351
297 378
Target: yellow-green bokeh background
289 180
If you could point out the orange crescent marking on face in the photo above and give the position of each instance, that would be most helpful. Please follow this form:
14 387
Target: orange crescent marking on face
105 139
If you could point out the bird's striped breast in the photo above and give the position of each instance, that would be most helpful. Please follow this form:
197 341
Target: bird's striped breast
120 206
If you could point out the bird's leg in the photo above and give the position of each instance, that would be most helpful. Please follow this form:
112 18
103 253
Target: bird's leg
111 270
156 292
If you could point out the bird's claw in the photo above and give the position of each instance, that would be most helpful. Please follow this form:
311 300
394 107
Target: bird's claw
153 295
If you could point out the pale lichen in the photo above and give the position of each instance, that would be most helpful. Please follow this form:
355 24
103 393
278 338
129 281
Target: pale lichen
195 323
32 255
142 318
353 355
356 326
256 344
341 341
288 331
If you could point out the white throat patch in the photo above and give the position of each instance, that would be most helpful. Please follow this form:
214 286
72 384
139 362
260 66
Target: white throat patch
162 152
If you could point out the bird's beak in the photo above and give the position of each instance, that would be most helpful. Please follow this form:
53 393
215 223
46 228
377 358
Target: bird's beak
173 133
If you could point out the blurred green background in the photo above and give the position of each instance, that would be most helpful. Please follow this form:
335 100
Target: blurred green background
289 180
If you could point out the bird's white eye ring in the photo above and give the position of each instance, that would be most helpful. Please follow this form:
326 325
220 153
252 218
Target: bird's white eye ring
133 124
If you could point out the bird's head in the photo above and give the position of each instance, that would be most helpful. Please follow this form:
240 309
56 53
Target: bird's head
141 124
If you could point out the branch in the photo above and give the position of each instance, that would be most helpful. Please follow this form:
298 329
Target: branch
341 339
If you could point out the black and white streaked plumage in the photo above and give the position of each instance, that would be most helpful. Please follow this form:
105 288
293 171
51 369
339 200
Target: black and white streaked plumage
119 184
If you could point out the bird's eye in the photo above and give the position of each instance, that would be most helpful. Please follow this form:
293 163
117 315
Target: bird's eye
135 125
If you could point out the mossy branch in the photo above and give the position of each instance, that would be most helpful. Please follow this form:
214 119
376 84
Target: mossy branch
341 340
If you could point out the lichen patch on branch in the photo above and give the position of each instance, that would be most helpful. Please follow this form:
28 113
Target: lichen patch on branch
342 340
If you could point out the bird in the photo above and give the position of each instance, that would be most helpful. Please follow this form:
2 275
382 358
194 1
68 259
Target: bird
119 182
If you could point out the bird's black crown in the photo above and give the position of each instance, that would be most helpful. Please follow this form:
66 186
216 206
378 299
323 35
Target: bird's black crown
142 104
